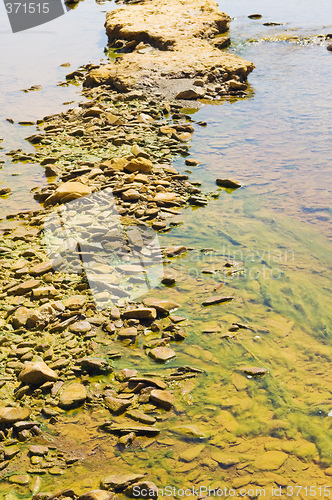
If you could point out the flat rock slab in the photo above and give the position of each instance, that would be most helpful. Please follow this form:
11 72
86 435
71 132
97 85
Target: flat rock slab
126 428
73 396
165 399
161 306
162 354
216 300
96 495
117 406
10 415
254 371
271 460
120 480
181 40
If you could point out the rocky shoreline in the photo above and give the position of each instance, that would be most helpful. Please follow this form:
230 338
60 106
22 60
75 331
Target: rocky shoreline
58 332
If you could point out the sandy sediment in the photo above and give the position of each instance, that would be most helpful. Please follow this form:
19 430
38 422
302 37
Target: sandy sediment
164 42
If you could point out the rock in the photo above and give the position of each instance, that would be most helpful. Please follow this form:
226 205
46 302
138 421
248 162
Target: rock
162 354
164 399
140 313
139 416
38 450
147 381
228 183
4 191
74 302
80 327
329 48
216 300
36 374
270 460
140 164
161 306
127 333
68 191
125 374
191 430
96 495
120 480
131 195
93 111
22 480
190 94
43 315
44 292
10 452
116 405
175 250
255 16
126 428
95 365
40 269
20 317
10 415
73 396
143 489
51 171
191 453
222 42
190 162
236 85
254 371
328 471
166 199
224 459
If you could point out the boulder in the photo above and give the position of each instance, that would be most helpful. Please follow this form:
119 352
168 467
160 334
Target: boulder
10 415
164 399
142 165
73 396
68 191
36 374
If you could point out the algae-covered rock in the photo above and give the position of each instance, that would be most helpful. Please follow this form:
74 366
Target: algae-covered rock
270 460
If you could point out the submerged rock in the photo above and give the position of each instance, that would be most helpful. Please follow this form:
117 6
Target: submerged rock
120 480
270 460
216 300
68 191
165 399
228 183
162 354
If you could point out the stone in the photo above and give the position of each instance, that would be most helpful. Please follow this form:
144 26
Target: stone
20 317
329 48
162 306
96 495
24 288
73 396
43 315
22 480
36 374
254 371
95 365
142 165
4 191
93 111
225 459
80 327
328 471
117 406
164 399
38 450
126 374
139 416
216 300
147 381
143 489
42 268
44 292
51 171
131 195
228 183
10 452
191 453
270 460
190 162
190 94
146 313
126 428
166 199
236 85
74 302
175 250
120 480
222 42
68 191
10 415
126 333
162 354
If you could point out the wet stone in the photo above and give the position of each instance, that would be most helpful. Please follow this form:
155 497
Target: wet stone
117 406
139 416
216 300
22 480
121 480
164 399
270 460
10 452
38 450
73 396
80 327
161 306
143 489
96 495
11 415
254 371
162 354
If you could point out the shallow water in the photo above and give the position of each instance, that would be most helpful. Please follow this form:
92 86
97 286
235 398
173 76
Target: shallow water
277 229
